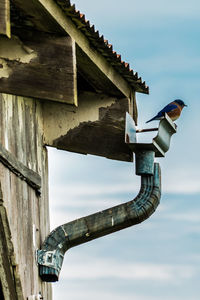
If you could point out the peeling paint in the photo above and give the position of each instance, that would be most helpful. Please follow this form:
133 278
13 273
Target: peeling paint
14 49
5 71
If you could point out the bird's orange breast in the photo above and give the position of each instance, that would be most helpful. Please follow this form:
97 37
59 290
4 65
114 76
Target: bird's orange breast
175 113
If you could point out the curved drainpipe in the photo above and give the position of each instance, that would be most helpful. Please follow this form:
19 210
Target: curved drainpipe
85 229
64 237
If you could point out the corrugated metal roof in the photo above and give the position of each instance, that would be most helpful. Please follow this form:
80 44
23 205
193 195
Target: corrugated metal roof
103 46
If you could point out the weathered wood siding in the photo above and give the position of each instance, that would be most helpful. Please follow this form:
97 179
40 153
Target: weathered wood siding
38 64
95 127
21 127
5 17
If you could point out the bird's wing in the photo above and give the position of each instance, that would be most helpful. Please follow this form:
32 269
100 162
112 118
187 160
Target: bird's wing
167 109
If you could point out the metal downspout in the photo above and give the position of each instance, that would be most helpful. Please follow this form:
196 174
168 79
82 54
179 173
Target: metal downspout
85 229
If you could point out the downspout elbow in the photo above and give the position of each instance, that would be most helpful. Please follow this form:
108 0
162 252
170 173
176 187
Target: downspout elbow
85 229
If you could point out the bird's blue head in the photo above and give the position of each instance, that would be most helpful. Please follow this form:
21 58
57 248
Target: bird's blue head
180 102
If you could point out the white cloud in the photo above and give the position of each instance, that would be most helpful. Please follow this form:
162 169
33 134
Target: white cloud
180 182
91 293
101 268
192 217
68 203
87 189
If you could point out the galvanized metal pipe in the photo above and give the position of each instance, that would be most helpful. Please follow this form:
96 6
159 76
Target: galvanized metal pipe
144 162
85 229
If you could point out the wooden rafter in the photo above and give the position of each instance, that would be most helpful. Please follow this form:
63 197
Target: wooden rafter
56 20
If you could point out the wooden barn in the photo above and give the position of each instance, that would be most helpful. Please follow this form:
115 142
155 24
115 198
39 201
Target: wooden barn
61 85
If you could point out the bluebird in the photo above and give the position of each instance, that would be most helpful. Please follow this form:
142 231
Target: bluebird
173 110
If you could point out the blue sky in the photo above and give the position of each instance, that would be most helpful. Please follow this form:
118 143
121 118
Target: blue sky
160 258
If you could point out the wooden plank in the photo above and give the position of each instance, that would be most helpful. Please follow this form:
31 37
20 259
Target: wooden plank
21 132
97 138
96 127
133 108
5 17
1 292
19 169
39 65
36 9
35 14
6 276
94 76
7 267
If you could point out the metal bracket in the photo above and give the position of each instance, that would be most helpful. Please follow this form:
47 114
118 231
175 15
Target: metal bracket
160 144
146 152
50 260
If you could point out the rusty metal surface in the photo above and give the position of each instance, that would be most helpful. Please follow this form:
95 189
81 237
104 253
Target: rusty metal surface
97 225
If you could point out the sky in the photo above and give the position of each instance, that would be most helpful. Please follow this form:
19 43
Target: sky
159 258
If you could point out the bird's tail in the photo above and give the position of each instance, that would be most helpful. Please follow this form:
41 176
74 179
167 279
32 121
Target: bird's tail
151 120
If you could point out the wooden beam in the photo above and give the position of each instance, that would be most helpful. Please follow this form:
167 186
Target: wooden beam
96 126
36 10
19 169
38 65
35 14
5 17
94 76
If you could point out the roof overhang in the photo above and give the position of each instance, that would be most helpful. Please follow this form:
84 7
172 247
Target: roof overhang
59 16
62 59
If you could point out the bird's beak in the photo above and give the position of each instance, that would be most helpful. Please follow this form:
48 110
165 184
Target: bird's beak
185 105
